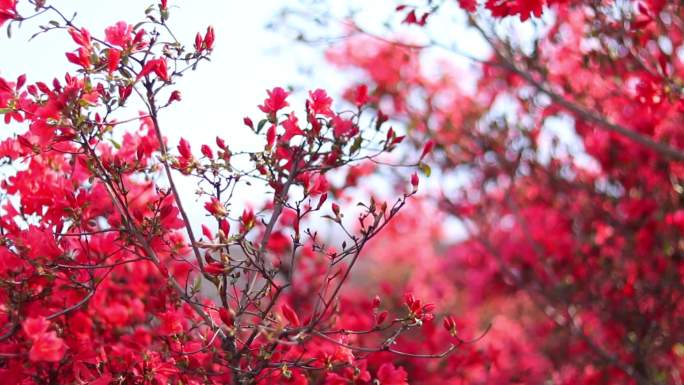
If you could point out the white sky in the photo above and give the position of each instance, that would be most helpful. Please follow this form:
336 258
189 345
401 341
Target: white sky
216 97
247 59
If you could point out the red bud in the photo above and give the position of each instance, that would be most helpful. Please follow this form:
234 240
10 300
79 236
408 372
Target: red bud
214 268
206 151
322 200
414 181
207 233
429 145
209 38
382 316
290 315
227 317
175 97
376 302
449 324
220 143
20 81
198 42
248 122
270 137
224 226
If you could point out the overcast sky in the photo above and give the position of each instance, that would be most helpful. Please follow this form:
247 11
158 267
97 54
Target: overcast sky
248 58
245 61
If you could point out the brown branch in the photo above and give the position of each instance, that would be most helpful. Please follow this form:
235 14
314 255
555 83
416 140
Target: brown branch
121 208
167 169
584 113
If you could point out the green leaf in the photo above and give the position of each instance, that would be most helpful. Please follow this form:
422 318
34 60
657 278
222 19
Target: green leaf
356 146
261 125
115 144
197 285
425 169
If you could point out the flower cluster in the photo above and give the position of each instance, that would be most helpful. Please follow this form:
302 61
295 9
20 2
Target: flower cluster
102 277
568 206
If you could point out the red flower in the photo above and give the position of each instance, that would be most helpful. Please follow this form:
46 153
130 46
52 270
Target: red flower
279 243
185 162
285 375
184 149
361 95
357 374
113 59
158 66
80 58
656 6
34 327
468 5
119 34
275 101
8 10
47 347
318 185
344 128
389 375
248 220
319 102
649 91
81 37
124 93
291 128
116 314
417 310
216 208
171 323
214 268
412 18
524 8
